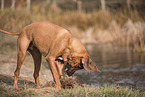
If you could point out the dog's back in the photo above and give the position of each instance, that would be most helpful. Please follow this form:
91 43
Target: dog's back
42 34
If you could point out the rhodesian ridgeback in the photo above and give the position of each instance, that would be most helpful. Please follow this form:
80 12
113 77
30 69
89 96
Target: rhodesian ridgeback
51 41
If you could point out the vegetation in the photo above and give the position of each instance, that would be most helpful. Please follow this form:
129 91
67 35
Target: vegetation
78 91
125 27
105 91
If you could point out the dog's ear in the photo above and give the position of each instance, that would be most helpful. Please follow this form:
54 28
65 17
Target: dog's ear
94 67
85 62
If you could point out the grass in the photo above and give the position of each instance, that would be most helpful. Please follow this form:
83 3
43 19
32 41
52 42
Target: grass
85 91
6 91
28 89
128 29
15 20
129 35
105 91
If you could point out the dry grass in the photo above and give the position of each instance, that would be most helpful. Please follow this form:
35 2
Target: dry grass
125 27
130 35
16 20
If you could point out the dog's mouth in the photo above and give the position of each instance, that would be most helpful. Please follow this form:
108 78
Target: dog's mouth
69 70
70 73
68 67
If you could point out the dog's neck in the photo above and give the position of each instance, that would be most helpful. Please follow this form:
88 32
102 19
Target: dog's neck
77 49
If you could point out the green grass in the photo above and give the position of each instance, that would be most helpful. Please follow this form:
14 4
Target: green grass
85 91
27 89
6 91
105 91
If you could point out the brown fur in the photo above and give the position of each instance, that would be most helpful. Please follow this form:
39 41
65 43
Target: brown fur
51 41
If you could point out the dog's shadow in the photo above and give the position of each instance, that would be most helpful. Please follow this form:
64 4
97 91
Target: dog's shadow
9 80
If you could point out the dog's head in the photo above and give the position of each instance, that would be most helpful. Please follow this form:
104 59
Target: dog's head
76 63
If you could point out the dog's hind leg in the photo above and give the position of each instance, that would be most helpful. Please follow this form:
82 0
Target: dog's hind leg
22 45
37 62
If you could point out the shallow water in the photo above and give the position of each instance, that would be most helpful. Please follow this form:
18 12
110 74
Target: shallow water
119 66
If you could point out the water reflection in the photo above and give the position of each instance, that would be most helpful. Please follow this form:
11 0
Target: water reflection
118 66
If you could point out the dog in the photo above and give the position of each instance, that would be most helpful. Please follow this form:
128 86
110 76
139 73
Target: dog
51 41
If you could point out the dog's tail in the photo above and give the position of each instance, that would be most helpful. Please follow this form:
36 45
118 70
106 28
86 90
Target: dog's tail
11 33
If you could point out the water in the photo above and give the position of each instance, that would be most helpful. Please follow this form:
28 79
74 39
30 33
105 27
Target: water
118 65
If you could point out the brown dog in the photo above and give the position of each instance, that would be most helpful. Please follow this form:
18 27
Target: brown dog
51 41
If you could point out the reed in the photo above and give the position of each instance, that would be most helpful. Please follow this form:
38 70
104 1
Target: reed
125 27
129 35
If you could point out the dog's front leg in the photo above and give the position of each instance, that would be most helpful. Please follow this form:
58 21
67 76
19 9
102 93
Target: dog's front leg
65 56
60 67
51 62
